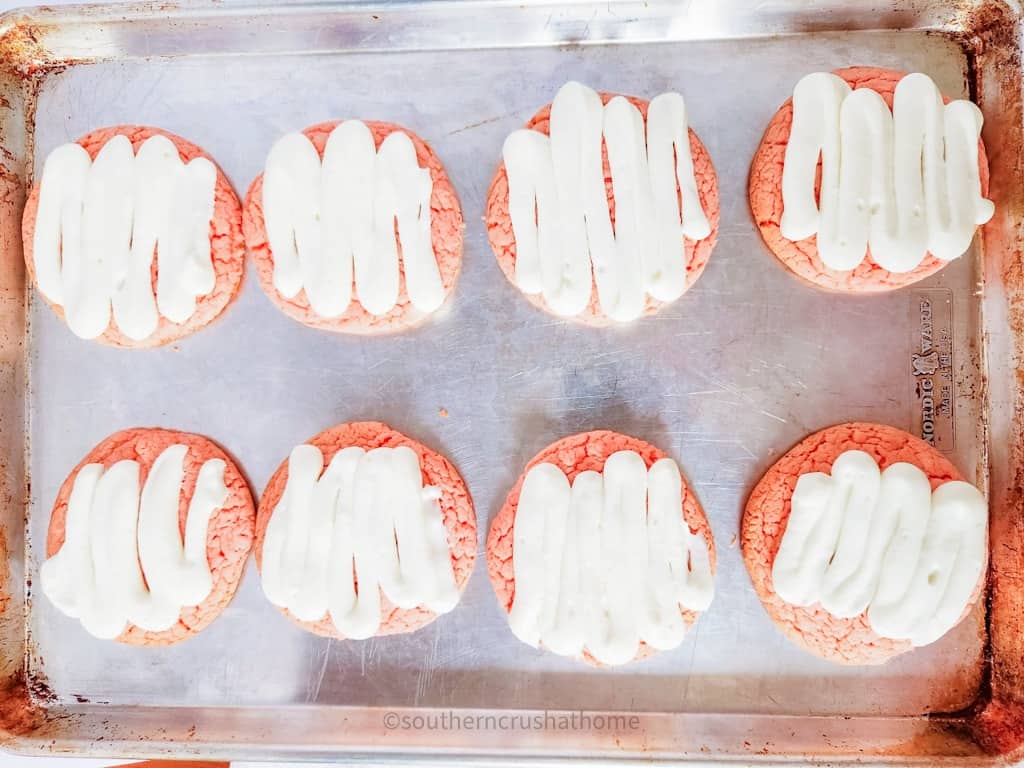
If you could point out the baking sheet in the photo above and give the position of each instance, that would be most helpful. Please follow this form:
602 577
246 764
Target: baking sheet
726 379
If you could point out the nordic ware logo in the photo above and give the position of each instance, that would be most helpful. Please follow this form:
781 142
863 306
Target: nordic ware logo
932 368
926 365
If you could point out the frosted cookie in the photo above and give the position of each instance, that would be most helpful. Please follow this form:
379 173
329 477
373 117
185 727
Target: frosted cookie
354 227
133 237
148 537
604 208
907 205
601 551
863 542
363 531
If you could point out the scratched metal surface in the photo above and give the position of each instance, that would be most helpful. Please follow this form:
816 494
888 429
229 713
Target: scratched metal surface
725 380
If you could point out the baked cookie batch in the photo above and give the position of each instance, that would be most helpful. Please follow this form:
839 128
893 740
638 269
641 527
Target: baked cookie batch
862 542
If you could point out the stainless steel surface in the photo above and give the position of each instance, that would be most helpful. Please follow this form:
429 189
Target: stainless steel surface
726 379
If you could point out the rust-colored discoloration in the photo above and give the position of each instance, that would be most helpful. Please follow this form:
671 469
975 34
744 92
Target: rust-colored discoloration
24 63
5 574
21 700
985 26
12 270
39 689
990 40
999 729
940 738
22 51
19 712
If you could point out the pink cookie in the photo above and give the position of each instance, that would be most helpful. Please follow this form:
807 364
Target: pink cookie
503 242
227 247
229 534
456 506
573 455
765 190
844 641
446 228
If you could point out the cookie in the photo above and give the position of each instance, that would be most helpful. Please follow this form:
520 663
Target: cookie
197 514
440 534
842 639
596 569
199 216
801 256
441 259
631 274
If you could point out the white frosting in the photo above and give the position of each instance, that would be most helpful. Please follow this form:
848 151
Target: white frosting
607 562
331 222
902 183
99 223
565 243
859 539
123 559
342 535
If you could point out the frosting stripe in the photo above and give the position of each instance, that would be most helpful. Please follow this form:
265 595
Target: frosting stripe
606 562
124 559
341 536
566 244
101 222
900 183
332 222
883 542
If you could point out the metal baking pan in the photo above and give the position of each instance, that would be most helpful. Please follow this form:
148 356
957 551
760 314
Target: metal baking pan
734 373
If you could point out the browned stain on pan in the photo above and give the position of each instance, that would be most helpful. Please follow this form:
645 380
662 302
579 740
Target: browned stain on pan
939 739
19 712
995 723
24 60
5 575
22 50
